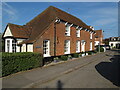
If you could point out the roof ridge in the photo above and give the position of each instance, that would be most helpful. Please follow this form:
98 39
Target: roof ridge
67 13
44 11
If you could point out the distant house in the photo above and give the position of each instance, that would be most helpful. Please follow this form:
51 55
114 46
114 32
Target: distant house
52 33
114 42
106 41
99 37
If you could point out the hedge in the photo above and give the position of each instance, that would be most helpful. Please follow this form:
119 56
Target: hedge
15 62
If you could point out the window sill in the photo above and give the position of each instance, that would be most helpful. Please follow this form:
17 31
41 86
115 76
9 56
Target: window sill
66 52
67 35
77 51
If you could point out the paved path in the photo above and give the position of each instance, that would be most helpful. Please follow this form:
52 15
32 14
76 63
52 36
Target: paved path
89 71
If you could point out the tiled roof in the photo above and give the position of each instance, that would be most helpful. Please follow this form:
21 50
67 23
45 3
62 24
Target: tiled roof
37 25
18 31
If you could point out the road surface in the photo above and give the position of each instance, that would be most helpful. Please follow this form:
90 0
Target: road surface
96 71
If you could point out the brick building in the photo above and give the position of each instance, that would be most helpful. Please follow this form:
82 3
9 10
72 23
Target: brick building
52 33
99 37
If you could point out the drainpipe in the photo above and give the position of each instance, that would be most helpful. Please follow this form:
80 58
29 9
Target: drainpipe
55 23
55 39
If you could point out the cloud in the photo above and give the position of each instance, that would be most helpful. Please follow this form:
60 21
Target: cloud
9 11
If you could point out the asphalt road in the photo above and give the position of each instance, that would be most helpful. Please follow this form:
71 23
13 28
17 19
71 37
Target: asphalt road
102 72
96 71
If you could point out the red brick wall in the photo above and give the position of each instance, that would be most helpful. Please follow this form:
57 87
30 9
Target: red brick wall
47 34
60 38
73 38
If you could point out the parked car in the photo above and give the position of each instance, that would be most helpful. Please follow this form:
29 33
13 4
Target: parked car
107 47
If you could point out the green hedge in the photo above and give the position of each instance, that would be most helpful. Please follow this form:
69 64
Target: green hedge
15 62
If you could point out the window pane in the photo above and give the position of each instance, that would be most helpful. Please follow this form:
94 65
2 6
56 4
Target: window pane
67 30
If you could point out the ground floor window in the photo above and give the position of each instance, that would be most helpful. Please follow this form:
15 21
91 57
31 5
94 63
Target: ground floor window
13 46
77 46
90 45
83 45
46 48
111 44
67 46
8 45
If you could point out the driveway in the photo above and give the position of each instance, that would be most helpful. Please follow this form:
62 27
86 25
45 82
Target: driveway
96 71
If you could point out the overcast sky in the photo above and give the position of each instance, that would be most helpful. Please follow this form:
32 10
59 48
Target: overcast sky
100 15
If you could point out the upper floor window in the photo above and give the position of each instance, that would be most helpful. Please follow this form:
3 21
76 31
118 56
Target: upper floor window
78 33
90 35
67 30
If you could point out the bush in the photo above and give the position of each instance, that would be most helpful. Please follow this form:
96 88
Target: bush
15 62
89 53
69 56
64 58
76 55
95 51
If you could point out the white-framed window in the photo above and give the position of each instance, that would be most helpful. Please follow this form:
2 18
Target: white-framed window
13 46
67 30
90 35
46 48
77 46
8 45
67 46
90 46
78 33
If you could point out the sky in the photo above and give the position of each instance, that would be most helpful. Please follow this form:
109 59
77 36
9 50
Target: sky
100 15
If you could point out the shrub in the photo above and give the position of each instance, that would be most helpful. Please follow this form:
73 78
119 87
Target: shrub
55 58
15 62
89 53
69 56
95 51
76 55
64 58
80 54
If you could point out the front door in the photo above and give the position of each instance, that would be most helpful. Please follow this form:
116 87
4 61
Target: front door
46 48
